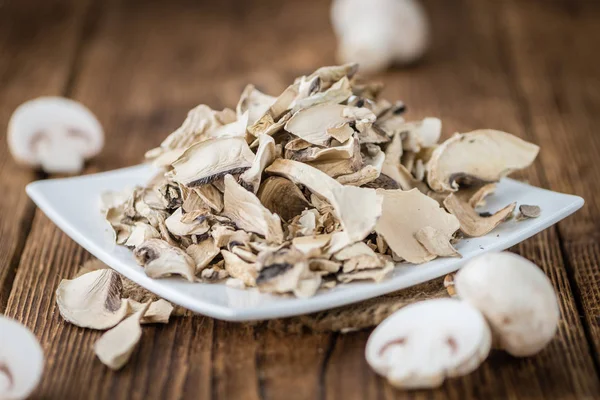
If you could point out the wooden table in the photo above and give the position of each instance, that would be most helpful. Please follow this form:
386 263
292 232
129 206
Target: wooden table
523 66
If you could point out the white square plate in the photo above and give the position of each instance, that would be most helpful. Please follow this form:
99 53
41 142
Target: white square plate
74 205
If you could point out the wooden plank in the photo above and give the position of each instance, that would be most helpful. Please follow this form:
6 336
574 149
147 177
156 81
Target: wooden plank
558 89
465 82
37 46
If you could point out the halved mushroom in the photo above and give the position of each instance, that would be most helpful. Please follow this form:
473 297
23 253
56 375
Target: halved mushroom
480 156
247 212
240 269
422 344
54 133
282 197
471 223
357 208
114 348
21 360
160 259
203 253
92 300
407 212
265 155
207 161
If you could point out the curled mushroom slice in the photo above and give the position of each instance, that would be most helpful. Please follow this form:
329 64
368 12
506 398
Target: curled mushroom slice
422 344
320 123
54 133
265 155
480 156
335 151
160 260
203 253
471 223
399 227
247 212
211 196
207 161
357 208
281 271
240 269
436 242
358 256
329 74
114 348
21 360
373 274
179 225
282 197
475 195
311 246
255 103
92 300
140 233
158 312
337 93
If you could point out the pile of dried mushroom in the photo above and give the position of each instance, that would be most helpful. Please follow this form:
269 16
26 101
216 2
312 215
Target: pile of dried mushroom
325 184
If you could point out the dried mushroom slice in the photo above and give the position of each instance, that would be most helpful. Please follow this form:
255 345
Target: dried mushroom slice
158 312
203 253
481 156
436 242
475 195
357 208
271 120
281 271
160 260
311 246
240 269
337 93
255 103
359 256
114 348
330 74
527 211
140 233
178 225
373 274
471 223
92 300
247 212
282 197
265 155
204 162
211 196
335 151
404 214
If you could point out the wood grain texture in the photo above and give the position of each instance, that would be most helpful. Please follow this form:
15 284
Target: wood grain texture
36 53
141 65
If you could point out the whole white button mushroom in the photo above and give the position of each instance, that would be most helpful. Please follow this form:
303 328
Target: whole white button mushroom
378 33
516 298
421 344
54 133
21 360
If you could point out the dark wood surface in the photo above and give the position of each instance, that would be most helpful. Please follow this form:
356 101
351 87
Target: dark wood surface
527 67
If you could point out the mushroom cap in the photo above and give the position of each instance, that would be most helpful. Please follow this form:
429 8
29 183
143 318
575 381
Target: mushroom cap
21 360
47 114
516 298
422 344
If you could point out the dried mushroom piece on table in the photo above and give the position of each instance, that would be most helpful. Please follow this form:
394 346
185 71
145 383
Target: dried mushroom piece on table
325 183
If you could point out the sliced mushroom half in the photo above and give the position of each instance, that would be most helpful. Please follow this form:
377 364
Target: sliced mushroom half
422 344
482 156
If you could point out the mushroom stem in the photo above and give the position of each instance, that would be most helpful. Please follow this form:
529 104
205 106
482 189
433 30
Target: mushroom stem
59 157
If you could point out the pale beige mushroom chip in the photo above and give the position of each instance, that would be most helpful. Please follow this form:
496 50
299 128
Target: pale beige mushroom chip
207 161
203 253
114 348
265 155
471 223
255 103
282 197
160 260
436 242
246 211
480 156
240 269
92 300
405 214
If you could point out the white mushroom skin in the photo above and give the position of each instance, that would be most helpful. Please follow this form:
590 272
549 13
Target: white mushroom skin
54 133
21 360
378 33
516 298
420 345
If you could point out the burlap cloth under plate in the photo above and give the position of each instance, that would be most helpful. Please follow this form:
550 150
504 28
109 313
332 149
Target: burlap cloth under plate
346 318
